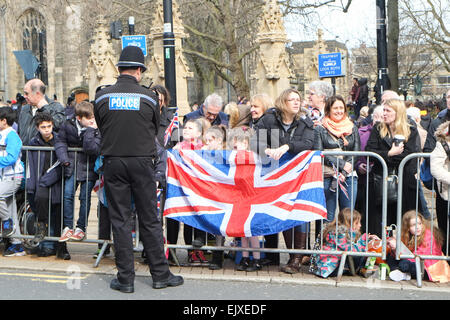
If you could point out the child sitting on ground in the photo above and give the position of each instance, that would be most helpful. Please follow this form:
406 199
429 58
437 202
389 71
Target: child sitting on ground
348 238
429 242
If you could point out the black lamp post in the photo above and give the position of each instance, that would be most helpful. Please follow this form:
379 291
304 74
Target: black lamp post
383 82
169 53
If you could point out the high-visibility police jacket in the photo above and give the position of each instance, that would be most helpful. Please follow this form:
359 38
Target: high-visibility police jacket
127 116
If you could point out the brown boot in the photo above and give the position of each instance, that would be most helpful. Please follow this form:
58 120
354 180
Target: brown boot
300 243
287 235
295 260
293 265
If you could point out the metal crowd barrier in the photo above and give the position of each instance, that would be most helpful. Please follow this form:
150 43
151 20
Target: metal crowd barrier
24 208
419 259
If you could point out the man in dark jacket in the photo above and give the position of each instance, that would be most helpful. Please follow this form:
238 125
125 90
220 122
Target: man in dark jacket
363 96
128 118
37 101
210 109
44 180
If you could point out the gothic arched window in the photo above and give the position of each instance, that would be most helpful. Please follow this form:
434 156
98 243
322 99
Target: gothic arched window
33 31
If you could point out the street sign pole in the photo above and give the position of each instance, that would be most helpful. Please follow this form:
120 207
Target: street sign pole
169 53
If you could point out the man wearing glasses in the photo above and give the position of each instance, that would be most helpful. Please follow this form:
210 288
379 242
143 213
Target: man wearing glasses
210 109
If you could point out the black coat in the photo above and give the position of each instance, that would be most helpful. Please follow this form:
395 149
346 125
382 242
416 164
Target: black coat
430 143
299 136
127 116
363 96
382 146
89 140
324 141
37 176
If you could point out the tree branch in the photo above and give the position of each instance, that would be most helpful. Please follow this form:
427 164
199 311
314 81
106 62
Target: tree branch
203 35
247 52
208 58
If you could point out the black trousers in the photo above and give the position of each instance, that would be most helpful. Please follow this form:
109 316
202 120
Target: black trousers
128 178
39 202
104 223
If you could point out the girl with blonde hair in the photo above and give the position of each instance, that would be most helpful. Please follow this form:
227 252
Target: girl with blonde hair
385 140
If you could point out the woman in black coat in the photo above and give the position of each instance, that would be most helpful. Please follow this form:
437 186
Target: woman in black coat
381 141
338 132
284 129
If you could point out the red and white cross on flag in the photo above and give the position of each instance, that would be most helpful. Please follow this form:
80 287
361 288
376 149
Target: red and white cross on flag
235 194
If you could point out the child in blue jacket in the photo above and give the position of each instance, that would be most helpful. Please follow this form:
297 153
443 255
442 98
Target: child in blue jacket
11 175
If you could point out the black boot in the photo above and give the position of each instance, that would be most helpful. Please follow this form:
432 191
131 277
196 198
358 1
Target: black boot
61 251
216 261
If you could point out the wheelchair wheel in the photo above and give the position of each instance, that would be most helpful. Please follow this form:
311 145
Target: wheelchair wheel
27 220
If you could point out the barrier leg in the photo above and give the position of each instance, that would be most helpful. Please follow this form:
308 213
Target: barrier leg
100 254
175 258
341 267
419 272
351 264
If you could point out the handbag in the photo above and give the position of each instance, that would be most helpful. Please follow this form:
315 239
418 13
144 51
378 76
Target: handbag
392 187
328 171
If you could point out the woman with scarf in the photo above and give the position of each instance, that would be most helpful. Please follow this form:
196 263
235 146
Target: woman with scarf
338 133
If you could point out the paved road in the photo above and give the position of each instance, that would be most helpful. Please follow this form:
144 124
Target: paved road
26 285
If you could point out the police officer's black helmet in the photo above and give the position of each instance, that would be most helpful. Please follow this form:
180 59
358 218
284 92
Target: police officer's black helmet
132 56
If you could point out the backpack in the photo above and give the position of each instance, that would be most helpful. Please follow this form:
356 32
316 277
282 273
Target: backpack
425 175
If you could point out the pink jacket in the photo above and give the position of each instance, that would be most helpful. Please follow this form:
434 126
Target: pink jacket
437 270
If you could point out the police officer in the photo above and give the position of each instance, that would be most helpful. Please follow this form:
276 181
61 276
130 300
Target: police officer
127 115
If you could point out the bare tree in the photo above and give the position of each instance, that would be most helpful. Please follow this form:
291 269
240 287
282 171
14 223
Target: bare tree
431 18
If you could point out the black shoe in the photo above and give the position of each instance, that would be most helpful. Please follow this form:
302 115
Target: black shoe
61 251
243 265
172 281
46 252
41 231
254 265
125 288
198 243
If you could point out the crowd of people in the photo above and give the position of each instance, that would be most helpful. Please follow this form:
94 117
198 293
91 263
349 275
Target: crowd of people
324 121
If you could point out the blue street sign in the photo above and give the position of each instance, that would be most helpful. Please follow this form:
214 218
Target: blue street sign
330 65
137 41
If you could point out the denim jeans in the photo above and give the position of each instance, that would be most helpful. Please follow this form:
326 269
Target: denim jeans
85 202
344 202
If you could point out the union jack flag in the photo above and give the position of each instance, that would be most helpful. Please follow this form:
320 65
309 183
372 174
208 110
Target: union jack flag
235 194
173 125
